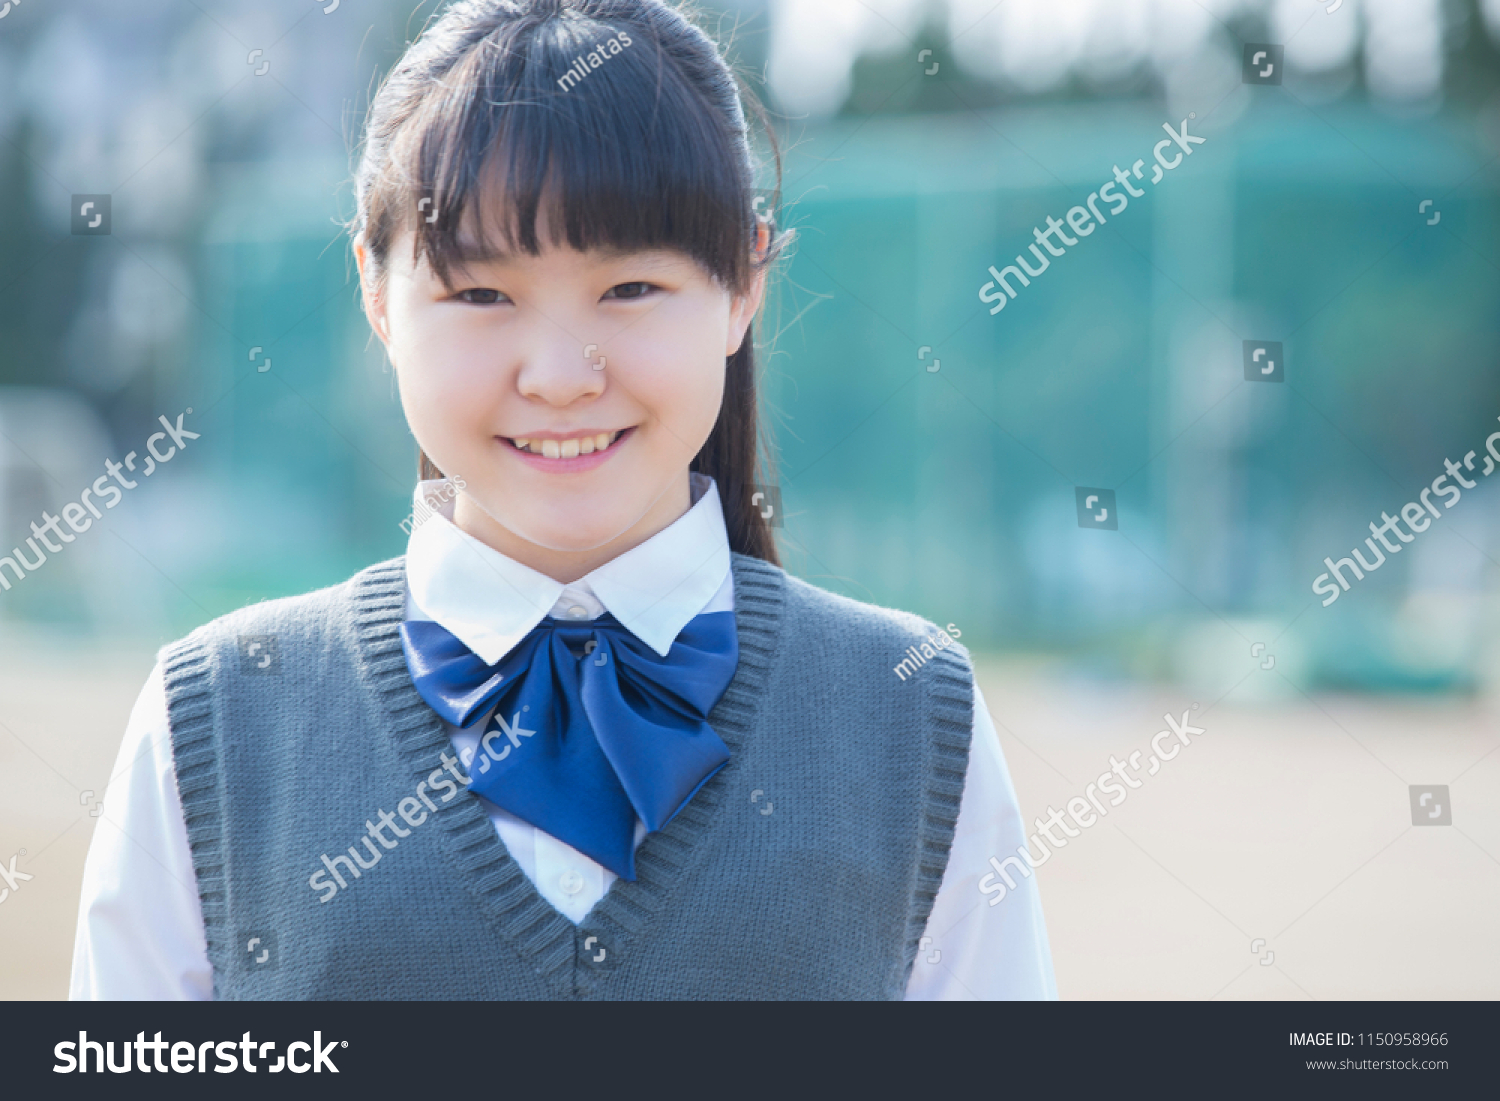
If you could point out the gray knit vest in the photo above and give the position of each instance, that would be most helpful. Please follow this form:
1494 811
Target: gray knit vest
805 868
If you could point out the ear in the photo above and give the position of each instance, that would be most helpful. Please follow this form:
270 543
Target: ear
742 312
370 296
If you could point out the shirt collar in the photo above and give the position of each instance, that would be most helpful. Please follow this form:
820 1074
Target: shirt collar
491 602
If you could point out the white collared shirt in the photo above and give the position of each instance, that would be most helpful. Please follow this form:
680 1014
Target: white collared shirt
140 927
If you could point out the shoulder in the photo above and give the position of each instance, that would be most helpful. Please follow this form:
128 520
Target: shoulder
818 609
305 621
825 622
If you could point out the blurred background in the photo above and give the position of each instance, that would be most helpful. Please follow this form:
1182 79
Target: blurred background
1346 212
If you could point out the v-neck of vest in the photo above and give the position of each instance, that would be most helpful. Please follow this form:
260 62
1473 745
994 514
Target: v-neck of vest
541 934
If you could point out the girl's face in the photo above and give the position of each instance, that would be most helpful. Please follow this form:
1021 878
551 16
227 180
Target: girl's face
570 391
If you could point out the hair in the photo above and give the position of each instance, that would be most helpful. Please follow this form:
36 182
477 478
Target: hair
649 150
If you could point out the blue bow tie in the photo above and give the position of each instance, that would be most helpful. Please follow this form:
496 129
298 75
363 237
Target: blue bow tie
591 727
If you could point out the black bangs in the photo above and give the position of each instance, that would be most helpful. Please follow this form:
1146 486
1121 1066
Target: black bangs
598 122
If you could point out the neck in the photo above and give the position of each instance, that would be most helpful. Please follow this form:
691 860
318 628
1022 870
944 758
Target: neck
567 566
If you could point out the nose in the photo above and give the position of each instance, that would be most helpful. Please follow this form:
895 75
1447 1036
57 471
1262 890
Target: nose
559 369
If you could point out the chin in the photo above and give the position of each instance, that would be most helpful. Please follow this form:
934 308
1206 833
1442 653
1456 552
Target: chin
576 531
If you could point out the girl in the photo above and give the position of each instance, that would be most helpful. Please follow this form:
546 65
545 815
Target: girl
585 739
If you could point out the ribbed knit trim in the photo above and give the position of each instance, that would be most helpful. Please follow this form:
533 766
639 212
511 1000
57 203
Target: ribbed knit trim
187 674
951 701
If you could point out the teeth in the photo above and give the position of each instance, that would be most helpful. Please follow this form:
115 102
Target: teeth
566 449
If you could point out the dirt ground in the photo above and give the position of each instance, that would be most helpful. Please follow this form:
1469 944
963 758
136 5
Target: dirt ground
1273 857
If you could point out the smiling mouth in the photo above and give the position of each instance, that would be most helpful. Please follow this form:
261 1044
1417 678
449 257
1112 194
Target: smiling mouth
566 449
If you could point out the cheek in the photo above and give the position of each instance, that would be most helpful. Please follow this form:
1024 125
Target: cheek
684 401
678 375
446 388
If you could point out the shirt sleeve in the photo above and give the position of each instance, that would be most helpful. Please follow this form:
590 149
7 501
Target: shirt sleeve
972 950
140 927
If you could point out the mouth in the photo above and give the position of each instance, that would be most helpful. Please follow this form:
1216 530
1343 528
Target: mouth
570 454
569 448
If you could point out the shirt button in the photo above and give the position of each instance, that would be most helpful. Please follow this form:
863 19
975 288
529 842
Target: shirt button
571 882
578 611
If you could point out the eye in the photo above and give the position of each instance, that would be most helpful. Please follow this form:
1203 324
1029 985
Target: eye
628 291
480 296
